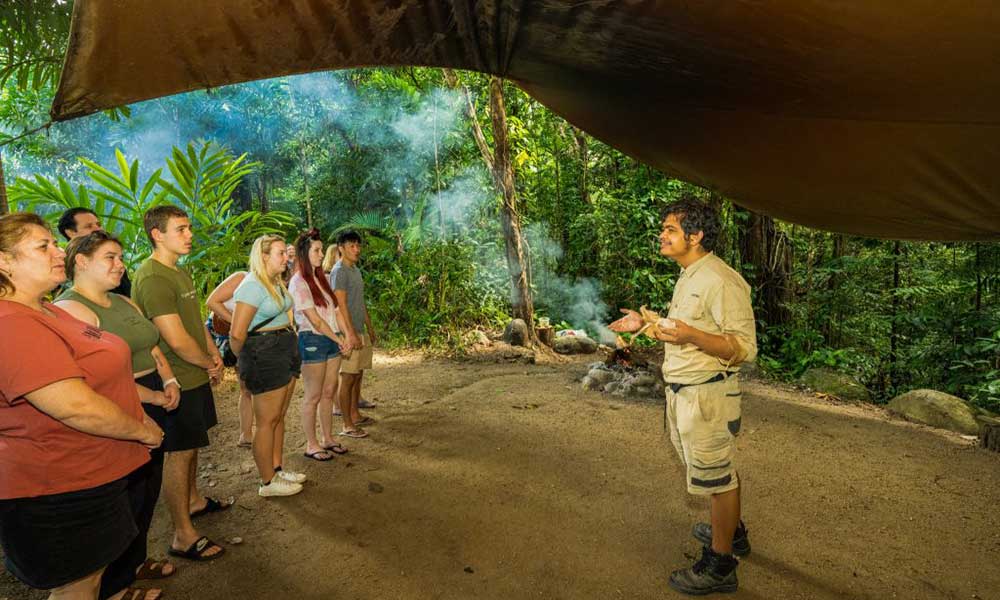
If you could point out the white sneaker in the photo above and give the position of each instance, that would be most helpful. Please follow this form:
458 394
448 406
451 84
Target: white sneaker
279 487
291 476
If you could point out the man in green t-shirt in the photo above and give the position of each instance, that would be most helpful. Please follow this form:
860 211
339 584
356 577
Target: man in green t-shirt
166 294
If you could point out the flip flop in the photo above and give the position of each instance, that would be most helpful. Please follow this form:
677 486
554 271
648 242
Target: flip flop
354 433
319 454
153 569
366 404
244 445
212 505
335 448
134 593
364 421
196 551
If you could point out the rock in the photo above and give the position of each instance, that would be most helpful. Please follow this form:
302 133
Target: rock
375 488
601 376
644 380
936 409
566 345
589 384
477 337
516 333
750 370
235 541
587 345
836 384
574 344
642 391
612 386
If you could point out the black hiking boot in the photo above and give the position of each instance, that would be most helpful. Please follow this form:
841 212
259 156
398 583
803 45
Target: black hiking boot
741 543
713 573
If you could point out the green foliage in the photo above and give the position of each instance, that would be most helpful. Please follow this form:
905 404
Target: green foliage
427 295
204 178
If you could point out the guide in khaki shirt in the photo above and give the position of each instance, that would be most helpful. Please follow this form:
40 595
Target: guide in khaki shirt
713 298
709 331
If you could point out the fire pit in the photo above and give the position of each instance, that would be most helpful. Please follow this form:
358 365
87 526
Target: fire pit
624 375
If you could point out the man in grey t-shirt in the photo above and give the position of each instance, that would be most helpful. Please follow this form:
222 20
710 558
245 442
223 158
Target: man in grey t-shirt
349 289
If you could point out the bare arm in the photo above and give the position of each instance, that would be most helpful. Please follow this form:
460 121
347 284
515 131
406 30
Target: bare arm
239 330
352 335
73 403
79 311
322 326
173 333
223 293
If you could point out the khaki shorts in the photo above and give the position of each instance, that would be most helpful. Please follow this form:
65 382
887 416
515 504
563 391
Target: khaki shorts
704 422
359 359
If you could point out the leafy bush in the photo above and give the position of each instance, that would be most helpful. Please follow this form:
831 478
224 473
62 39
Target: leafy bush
427 295
204 178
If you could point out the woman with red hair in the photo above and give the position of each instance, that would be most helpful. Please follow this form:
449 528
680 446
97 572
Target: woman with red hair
319 322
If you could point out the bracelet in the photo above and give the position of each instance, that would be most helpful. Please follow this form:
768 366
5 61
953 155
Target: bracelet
172 380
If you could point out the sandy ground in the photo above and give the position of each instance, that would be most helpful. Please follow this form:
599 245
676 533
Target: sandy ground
508 481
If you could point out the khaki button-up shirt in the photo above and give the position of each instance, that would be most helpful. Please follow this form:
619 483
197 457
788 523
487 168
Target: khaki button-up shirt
714 298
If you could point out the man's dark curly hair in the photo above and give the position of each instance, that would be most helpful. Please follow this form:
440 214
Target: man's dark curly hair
694 216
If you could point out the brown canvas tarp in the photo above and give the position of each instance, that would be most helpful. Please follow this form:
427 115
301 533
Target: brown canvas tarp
872 118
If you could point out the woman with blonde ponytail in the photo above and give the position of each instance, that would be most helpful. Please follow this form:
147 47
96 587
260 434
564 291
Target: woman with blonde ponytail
266 346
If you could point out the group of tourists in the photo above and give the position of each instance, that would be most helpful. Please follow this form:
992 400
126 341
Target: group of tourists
107 391
106 388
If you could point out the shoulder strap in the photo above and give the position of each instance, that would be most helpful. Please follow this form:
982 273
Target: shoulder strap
263 323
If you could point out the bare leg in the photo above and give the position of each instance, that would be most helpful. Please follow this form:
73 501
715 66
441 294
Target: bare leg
278 451
725 518
356 397
314 381
347 383
176 492
84 588
196 500
327 398
246 414
267 413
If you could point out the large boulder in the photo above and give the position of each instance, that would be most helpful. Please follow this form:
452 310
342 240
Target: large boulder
835 383
574 344
516 333
936 409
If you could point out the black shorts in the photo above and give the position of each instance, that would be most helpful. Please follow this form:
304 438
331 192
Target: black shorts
268 362
49 541
186 427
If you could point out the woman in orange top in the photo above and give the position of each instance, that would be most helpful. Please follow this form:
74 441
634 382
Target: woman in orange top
71 426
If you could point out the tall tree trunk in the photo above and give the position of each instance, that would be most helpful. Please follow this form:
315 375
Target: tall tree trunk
894 316
766 250
510 218
305 183
4 206
584 150
721 249
832 326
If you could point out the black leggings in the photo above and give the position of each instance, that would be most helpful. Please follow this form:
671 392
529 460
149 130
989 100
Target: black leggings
143 492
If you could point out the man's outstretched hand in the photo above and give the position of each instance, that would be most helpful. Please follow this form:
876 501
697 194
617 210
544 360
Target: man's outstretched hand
630 323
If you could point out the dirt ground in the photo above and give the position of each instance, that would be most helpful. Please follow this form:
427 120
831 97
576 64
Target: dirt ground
508 481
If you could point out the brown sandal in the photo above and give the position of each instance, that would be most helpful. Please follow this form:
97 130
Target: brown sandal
153 569
134 593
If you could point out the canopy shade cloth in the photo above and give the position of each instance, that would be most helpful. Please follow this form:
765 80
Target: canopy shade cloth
872 118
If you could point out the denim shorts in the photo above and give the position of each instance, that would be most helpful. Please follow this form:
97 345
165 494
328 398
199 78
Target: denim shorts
316 348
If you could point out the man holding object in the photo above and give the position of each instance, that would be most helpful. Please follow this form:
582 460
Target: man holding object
709 332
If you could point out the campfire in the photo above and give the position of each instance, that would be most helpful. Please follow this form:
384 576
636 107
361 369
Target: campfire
624 374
